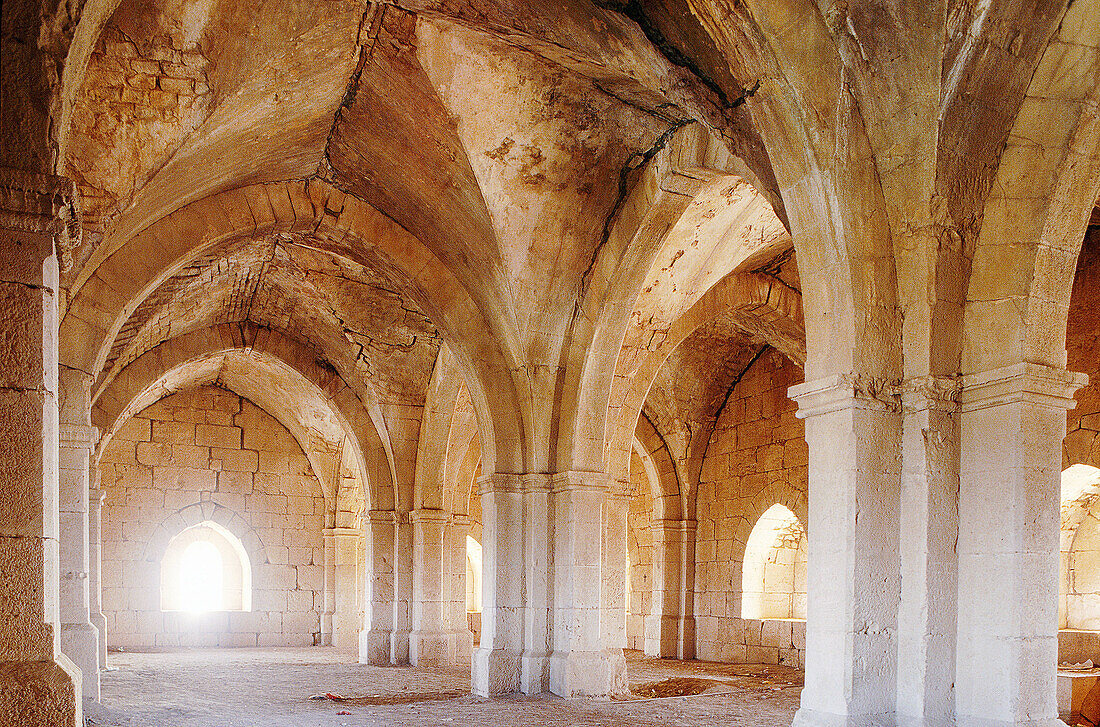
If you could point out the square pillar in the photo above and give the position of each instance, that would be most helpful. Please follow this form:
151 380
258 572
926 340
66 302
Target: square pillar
853 429
375 640
496 662
535 667
95 569
345 557
39 686
457 624
79 638
329 586
670 625
581 663
429 640
929 566
1013 420
613 584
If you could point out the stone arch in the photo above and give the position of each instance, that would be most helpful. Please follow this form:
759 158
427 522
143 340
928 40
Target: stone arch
196 514
665 489
682 228
334 222
433 445
770 310
1034 220
138 383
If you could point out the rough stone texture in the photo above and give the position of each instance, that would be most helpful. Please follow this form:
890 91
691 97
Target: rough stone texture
208 447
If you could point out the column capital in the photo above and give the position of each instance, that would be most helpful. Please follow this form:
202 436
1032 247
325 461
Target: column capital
460 520
429 515
96 496
844 391
42 204
1033 383
499 482
78 436
673 526
382 516
576 480
340 532
930 393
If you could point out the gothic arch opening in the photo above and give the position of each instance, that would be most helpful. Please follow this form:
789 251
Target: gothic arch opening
773 575
205 568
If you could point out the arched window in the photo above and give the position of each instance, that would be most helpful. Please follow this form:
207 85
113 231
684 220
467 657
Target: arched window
205 568
773 574
473 575
1079 592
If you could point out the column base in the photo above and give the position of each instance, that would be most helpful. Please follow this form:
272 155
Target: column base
439 648
813 718
534 673
669 637
399 647
494 672
374 648
968 721
80 642
588 673
40 693
100 623
345 632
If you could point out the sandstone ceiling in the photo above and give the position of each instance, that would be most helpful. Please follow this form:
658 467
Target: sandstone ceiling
548 189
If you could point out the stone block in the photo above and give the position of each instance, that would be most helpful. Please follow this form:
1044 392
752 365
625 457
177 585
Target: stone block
761 655
173 432
235 460
213 435
134 429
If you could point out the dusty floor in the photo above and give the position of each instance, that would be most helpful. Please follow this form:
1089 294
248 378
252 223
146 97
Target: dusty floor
271 688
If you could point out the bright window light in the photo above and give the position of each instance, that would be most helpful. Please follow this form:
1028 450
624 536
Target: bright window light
201 578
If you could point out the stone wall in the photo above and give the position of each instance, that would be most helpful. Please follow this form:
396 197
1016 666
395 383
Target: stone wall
757 457
210 454
1081 445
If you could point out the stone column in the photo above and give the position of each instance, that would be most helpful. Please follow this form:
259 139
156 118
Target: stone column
929 523
1012 423
429 642
330 587
457 624
537 540
345 555
670 627
581 663
853 432
95 570
614 581
375 639
496 662
79 638
402 614
38 684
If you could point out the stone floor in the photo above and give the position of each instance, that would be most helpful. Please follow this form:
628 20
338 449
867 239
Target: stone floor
271 688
